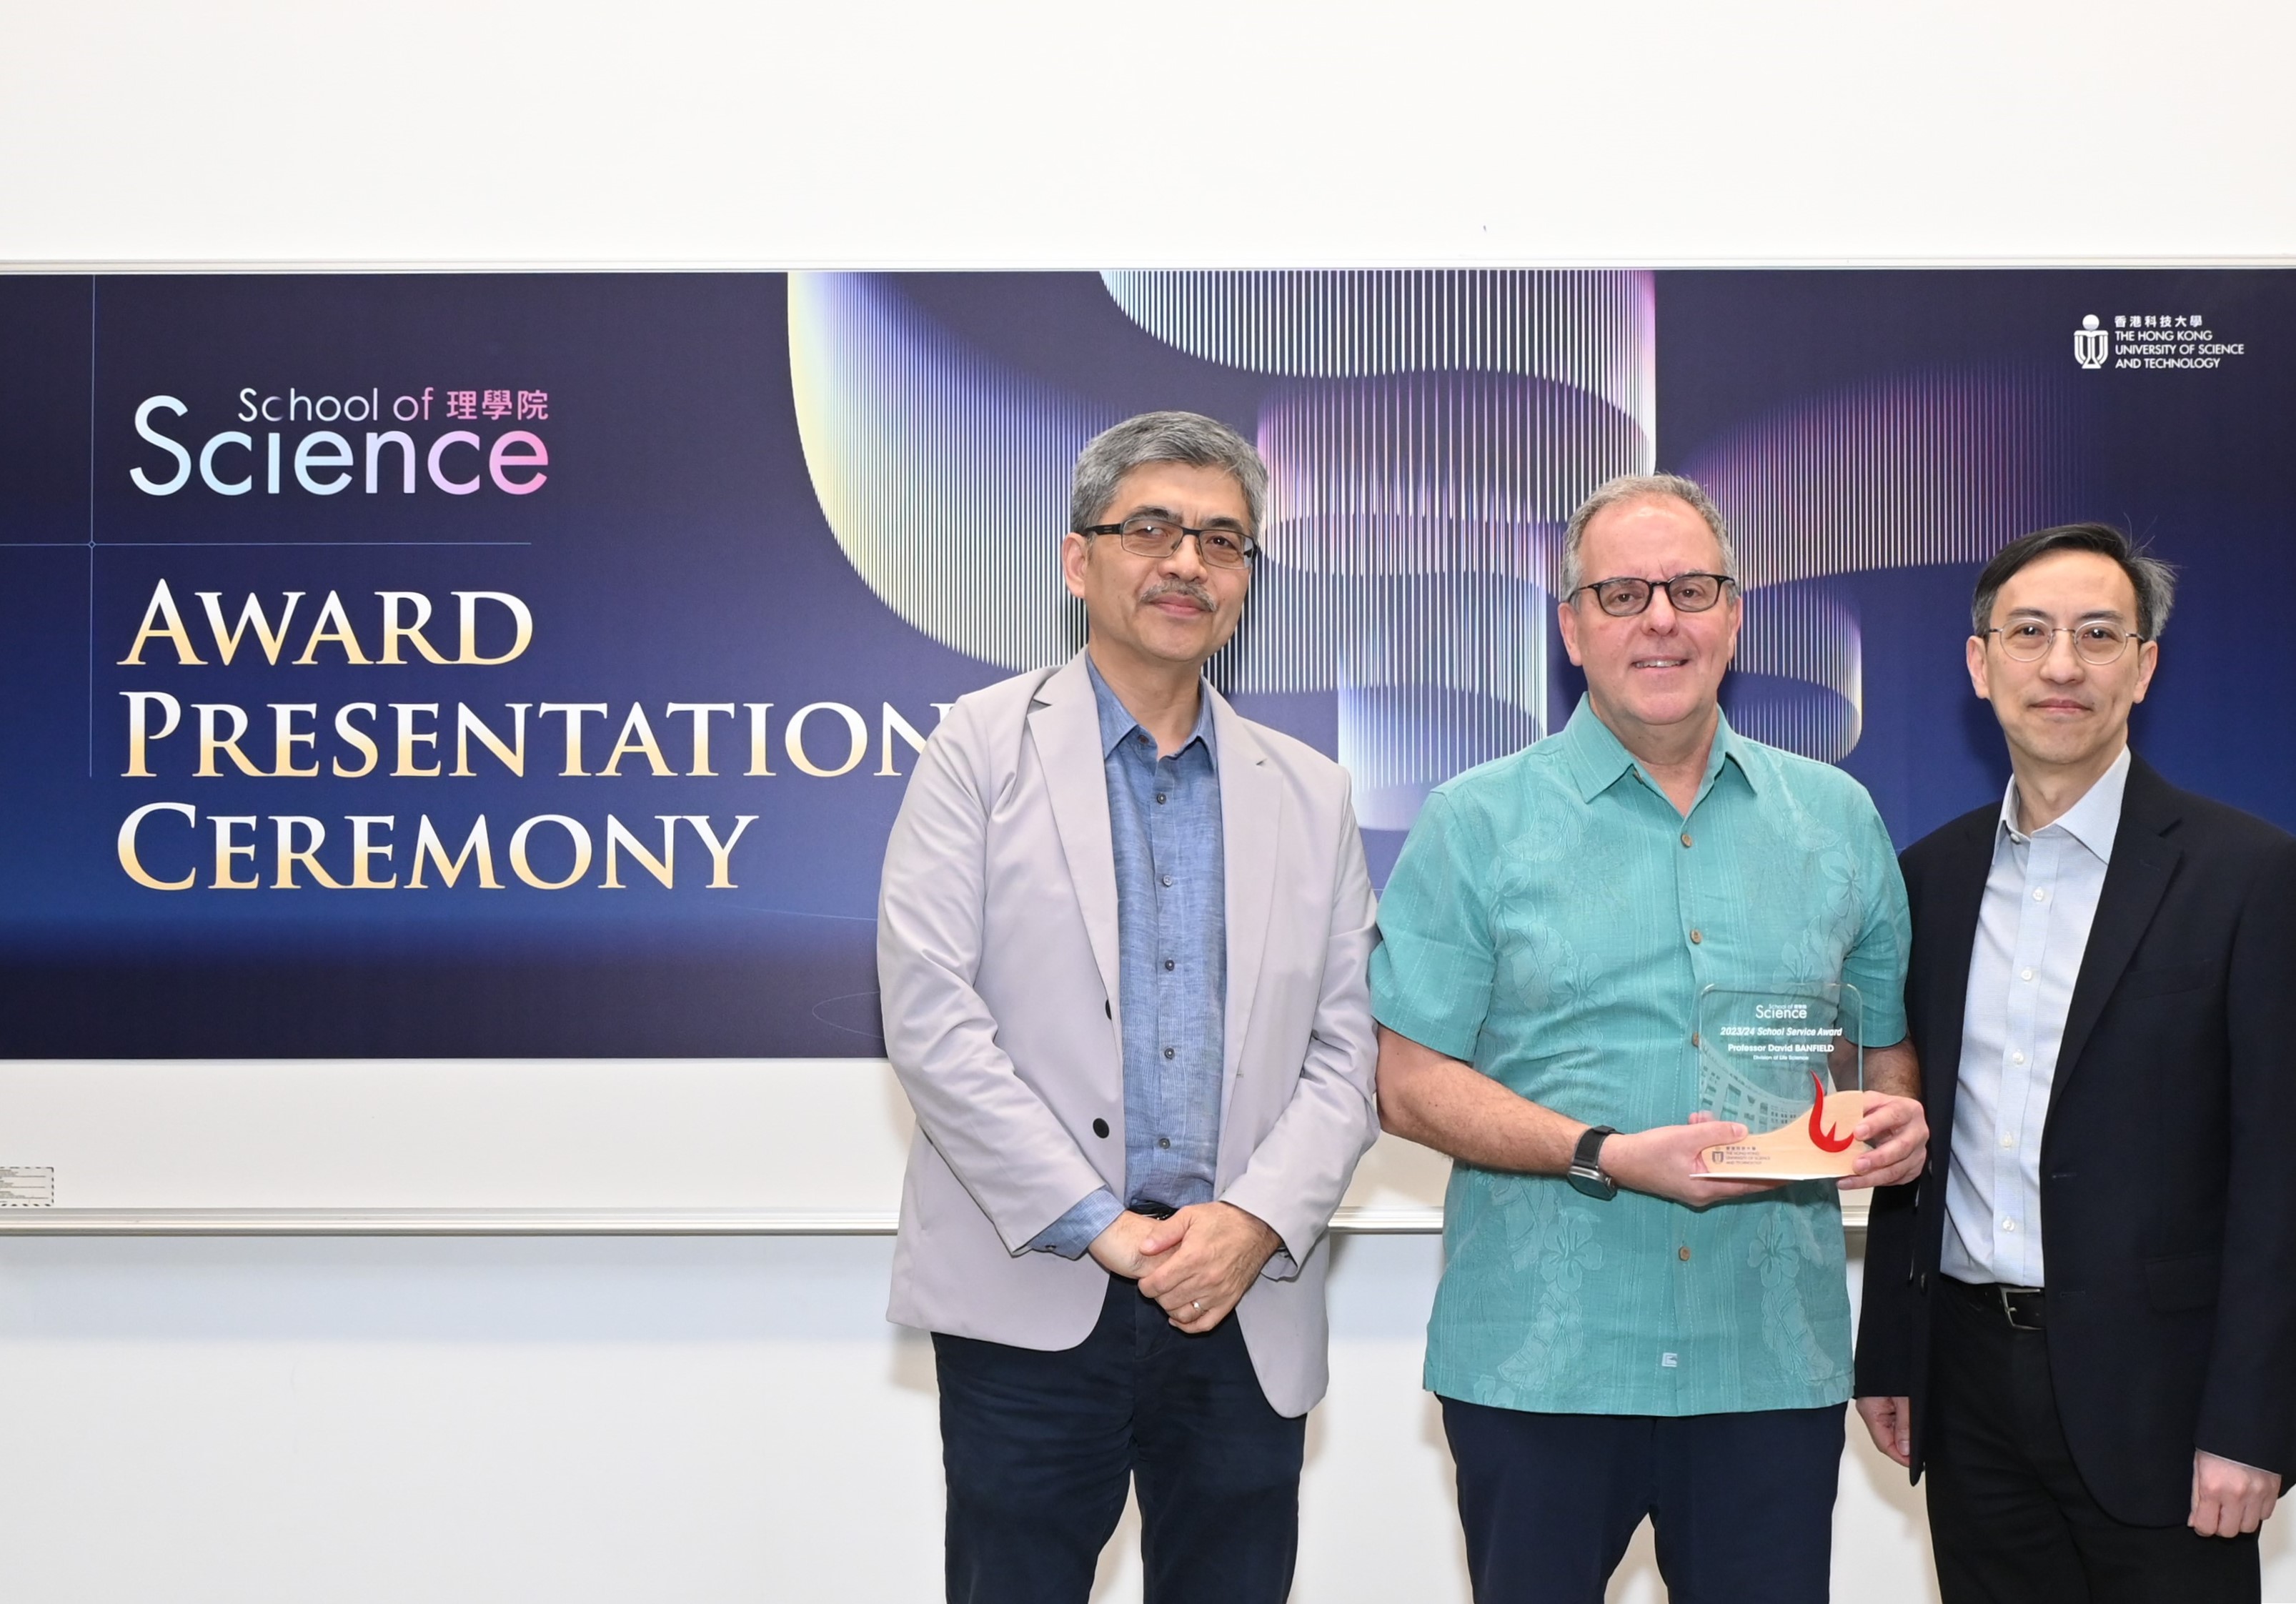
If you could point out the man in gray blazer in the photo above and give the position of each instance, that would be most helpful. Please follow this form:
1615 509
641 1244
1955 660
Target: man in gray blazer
1121 945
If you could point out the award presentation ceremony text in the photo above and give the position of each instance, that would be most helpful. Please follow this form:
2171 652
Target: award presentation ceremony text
173 845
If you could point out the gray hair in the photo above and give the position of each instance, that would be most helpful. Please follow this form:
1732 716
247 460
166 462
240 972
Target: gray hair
1164 436
1641 486
2154 580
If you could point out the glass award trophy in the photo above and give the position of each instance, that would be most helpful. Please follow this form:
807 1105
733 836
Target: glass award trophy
1784 1062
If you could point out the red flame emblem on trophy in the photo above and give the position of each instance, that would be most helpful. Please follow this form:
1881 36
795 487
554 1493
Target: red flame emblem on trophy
1826 1141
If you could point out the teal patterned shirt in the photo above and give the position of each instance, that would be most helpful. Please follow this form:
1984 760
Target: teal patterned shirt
1539 925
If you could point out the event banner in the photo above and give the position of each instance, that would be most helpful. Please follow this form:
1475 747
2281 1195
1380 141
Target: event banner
532 664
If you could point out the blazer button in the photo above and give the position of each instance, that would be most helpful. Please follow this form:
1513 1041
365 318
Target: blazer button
1108 1008
1100 1127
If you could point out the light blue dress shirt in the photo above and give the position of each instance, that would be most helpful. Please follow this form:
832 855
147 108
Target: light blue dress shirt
1171 919
2040 900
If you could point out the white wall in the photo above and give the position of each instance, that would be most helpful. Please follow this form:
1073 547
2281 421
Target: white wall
582 1419
1199 132
592 1421
471 1422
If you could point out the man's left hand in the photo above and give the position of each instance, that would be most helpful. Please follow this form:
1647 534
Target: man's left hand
1206 1257
2230 1498
1898 1131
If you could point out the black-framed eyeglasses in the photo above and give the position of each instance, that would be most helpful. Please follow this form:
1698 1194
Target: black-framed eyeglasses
2097 642
1684 592
1147 535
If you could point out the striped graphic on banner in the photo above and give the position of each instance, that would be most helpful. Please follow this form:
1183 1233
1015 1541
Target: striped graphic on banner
1936 468
1592 330
1805 635
1427 434
944 476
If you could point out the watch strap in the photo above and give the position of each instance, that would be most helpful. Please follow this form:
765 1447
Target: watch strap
1587 1162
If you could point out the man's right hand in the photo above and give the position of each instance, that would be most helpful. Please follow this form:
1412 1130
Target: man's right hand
1664 1161
1117 1249
1889 1422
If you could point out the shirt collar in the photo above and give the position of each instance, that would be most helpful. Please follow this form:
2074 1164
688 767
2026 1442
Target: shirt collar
2094 821
1598 759
1116 721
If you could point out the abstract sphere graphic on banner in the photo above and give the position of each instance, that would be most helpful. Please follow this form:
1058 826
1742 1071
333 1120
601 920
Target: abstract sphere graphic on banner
1427 434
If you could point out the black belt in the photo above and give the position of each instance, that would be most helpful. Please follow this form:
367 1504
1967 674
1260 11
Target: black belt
2025 1308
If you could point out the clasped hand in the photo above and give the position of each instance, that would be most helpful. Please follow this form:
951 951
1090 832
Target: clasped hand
1197 1266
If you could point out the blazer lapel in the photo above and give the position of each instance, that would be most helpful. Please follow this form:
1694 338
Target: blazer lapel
1950 934
2135 881
1064 721
1251 824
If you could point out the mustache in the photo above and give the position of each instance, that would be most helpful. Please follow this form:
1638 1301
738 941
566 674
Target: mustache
1200 594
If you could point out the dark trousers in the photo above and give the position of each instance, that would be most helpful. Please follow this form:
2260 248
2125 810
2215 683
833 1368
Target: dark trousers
2009 1520
1038 1448
1741 1505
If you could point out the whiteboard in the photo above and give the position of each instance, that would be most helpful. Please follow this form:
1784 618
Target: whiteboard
812 1146
509 1147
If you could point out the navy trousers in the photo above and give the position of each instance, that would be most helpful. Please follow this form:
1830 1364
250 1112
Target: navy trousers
1038 1449
1741 1505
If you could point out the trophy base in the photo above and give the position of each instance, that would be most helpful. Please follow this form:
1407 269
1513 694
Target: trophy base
1818 1146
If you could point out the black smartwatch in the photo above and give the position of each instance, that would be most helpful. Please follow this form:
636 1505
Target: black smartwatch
1587 1164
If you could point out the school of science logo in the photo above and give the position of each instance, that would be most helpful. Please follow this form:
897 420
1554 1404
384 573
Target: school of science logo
2092 343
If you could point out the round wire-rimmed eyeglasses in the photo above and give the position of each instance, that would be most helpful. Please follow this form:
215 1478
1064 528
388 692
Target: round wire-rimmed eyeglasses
2098 643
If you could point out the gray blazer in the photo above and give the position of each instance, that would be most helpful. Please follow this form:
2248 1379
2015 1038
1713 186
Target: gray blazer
996 958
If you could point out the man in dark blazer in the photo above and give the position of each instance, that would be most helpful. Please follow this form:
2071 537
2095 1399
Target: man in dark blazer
2081 1320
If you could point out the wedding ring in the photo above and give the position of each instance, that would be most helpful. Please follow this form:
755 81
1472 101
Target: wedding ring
1200 1306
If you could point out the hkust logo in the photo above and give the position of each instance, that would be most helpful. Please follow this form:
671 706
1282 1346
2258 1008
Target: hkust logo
419 439
2155 340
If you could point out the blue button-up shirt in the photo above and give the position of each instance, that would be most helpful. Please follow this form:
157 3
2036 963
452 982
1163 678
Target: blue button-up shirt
2032 929
1172 918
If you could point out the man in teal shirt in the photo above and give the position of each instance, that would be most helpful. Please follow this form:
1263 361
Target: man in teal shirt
1645 1339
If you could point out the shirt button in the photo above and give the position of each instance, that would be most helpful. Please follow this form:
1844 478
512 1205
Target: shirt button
1682 1253
1167 963
1168 879
1167 1053
2024 974
1696 938
1685 838
2008 1139
2039 895
1160 796
2008 1224
1163 1141
2016 1057
1693 1038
